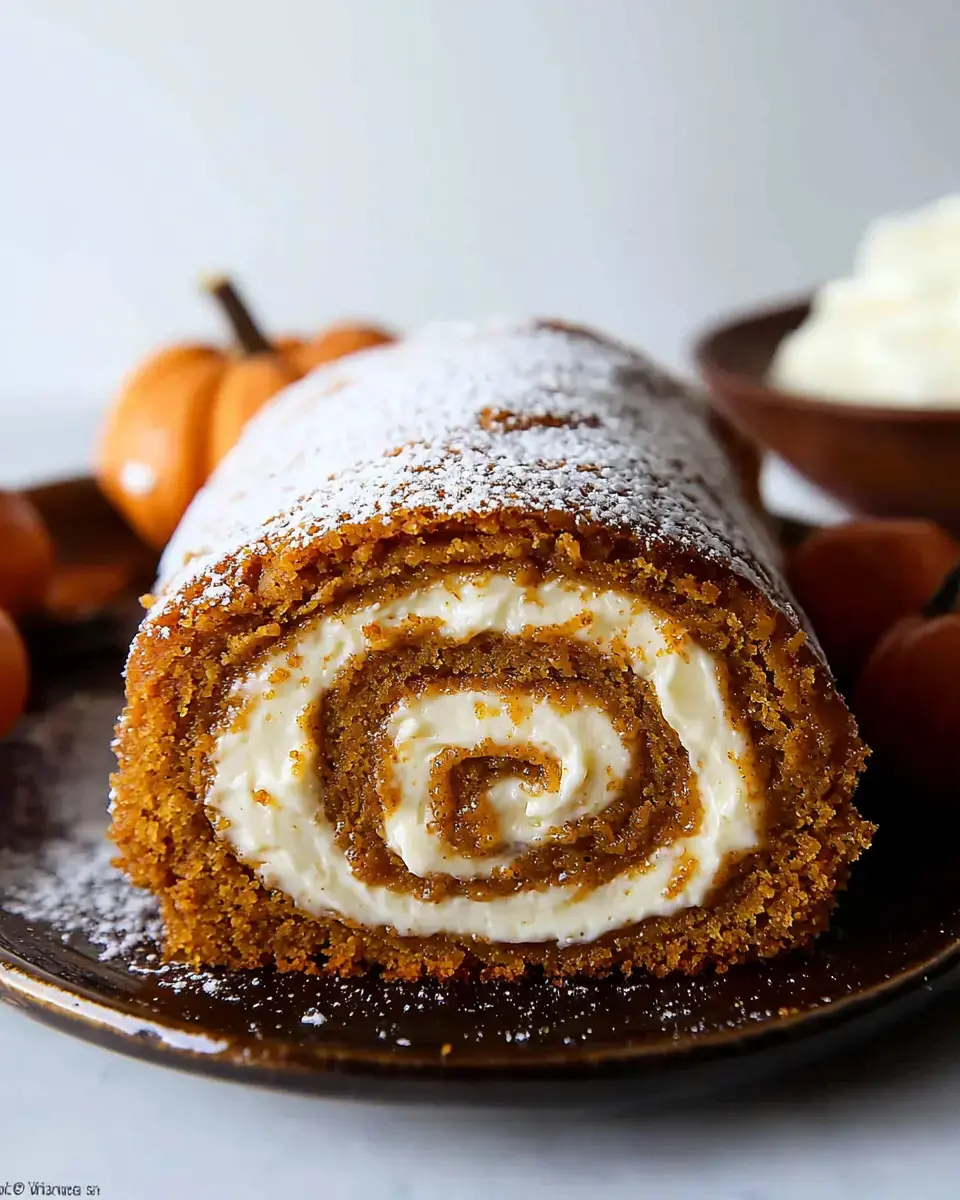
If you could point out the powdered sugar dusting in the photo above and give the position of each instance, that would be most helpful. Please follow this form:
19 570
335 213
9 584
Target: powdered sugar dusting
72 886
65 878
462 421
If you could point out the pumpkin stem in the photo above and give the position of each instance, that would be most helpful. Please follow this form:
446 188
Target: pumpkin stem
248 333
947 596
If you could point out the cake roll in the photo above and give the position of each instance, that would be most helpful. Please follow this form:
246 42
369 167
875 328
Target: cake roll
473 656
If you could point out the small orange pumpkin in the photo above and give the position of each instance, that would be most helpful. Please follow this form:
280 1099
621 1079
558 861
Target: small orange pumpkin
908 696
14 674
183 409
855 580
26 554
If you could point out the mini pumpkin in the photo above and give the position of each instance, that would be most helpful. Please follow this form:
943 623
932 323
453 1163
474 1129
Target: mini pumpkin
14 674
184 408
855 580
908 696
26 554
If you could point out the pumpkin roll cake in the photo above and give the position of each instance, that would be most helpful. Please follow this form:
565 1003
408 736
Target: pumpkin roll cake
471 655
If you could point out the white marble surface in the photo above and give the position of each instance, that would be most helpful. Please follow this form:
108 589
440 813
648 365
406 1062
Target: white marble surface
881 1123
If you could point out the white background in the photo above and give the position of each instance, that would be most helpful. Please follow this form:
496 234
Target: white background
642 164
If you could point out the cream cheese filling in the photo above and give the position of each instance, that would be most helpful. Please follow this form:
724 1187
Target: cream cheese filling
272 753
592 755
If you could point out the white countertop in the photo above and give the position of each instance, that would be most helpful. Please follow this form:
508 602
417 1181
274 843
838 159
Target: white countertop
881 1123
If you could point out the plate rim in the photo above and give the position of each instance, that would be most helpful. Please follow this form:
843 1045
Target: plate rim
75 1009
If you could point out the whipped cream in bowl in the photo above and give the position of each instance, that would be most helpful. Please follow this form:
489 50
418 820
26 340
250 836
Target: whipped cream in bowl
858 389
889 334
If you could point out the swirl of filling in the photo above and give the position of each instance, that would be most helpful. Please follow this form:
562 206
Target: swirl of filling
480 756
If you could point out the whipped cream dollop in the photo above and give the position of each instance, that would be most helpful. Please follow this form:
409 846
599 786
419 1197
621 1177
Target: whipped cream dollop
265 795
889 334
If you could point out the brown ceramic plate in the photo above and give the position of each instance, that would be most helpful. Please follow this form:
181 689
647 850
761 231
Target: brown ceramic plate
894 943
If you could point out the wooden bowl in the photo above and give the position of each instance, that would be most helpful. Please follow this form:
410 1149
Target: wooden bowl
879 461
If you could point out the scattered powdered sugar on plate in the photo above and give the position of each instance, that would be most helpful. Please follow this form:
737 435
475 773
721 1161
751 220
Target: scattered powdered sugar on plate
55 863
72 886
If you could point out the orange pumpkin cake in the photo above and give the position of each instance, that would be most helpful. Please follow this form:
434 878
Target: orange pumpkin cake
471 656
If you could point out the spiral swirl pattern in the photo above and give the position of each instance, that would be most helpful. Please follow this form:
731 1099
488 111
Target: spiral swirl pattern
516 809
